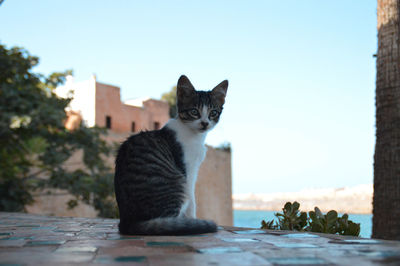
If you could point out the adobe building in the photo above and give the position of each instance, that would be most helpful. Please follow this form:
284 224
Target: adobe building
100 104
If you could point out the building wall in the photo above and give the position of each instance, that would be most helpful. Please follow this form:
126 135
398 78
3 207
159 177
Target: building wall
108 103
214 187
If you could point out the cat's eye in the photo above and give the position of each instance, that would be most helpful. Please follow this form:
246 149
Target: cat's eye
213 113
194 113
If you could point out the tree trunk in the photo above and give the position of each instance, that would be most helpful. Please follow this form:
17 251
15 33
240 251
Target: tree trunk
386 218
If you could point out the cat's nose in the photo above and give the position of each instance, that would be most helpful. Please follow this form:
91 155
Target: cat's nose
204 124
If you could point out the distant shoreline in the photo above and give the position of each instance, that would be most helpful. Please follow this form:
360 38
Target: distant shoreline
355 200
280 210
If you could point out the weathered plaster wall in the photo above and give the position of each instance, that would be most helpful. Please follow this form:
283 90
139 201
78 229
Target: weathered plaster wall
108 103
214 187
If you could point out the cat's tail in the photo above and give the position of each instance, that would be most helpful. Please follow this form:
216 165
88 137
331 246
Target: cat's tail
169 226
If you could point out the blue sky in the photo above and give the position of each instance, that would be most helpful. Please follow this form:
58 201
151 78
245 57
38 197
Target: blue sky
300 106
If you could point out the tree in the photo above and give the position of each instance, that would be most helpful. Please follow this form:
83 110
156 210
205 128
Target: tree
170 97
386 212
34 143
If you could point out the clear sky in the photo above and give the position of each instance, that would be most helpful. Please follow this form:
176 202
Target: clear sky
300 106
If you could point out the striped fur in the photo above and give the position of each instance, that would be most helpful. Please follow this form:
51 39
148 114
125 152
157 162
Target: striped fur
171 226
155 172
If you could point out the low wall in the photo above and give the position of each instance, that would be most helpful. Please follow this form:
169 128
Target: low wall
214 187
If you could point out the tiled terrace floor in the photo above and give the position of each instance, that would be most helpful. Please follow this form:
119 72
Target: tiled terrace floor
40 240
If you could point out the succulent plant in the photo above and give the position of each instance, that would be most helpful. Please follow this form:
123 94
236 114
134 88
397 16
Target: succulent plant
330 223
323 223
290 219
269 225
347 227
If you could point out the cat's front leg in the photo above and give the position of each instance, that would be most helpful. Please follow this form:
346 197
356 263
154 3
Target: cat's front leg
191 208
188 208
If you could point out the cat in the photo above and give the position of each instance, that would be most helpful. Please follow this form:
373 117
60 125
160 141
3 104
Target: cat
156 171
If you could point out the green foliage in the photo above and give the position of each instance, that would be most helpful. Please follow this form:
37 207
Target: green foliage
330 223
271 225
347 227
324 223
226 146
290 219
34 144
170 97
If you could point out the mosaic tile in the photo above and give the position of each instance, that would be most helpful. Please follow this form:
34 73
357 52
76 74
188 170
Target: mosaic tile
200 235
27 225
77 249
220 250
124 238
297 261
249 232
19 238
380 254
67 230
103 259
68 258
294 245
305 235
165 244
103 225
362 241
48 243
6 225
41 240
187 259
44 228
235 240
130 259
12 243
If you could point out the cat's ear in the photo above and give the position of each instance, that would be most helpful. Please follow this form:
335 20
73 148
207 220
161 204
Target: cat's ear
219 92
184 88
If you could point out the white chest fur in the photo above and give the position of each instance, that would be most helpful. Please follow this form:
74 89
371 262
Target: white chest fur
193 146
194 152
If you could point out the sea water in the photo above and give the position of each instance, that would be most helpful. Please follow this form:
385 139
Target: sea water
253 219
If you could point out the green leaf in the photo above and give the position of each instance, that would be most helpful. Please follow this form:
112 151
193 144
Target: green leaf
296 206
313 215
287 207
318 212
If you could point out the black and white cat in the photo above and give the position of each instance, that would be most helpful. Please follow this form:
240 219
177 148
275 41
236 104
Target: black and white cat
156 171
